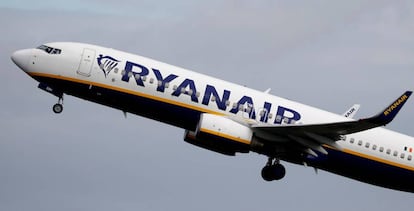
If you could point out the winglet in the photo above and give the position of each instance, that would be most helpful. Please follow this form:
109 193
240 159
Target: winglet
391 111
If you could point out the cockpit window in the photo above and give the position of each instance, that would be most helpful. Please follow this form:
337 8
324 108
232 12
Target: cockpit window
49 50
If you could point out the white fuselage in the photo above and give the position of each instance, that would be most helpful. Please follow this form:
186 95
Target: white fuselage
98 74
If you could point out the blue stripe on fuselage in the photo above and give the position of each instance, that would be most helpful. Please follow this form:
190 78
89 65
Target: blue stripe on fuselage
365 170
161 111
342 163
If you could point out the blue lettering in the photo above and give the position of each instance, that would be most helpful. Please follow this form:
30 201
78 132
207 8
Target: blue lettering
188 87
129 71
286 114
249 108
266 109
181 89
169 78
221 102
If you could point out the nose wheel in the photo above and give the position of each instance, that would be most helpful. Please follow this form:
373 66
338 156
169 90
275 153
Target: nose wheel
273 170
58 107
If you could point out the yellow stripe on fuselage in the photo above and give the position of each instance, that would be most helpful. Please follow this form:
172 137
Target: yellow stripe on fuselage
184 105
233 138
370 157
115 88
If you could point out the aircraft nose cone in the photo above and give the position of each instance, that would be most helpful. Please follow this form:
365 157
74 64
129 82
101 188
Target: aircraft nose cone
21 58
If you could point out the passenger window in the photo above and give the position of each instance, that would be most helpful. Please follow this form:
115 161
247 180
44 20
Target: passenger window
388 151
395 153
409 157
367 145
270 116
261 113
359 143
352 140
234 105
402 156
278 118
374 147
381 149
213 98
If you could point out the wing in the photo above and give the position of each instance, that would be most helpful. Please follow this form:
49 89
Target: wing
313 136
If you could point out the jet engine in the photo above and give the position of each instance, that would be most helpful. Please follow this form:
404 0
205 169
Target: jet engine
220 134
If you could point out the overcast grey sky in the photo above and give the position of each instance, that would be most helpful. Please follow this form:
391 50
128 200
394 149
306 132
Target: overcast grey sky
329 54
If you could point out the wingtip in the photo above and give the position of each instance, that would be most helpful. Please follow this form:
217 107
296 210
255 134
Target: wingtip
388 114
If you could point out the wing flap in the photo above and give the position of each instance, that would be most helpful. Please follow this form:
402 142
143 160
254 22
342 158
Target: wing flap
324 140
310 144
313 136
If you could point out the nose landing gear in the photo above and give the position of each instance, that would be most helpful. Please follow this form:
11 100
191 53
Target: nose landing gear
58 107
273 170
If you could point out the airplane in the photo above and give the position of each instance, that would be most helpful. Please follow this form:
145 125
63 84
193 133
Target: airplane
228 118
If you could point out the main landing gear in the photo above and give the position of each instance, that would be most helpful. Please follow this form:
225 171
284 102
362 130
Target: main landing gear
58 107
273 170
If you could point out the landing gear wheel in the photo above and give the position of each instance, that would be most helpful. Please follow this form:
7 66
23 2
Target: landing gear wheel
273 171
267 173
57 108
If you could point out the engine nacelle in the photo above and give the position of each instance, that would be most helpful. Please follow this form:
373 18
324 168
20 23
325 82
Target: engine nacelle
220 134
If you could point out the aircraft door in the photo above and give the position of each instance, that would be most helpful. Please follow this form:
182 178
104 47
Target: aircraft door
85 66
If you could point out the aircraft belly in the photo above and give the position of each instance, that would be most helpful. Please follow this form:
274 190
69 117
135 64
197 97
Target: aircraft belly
365 170
171 114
